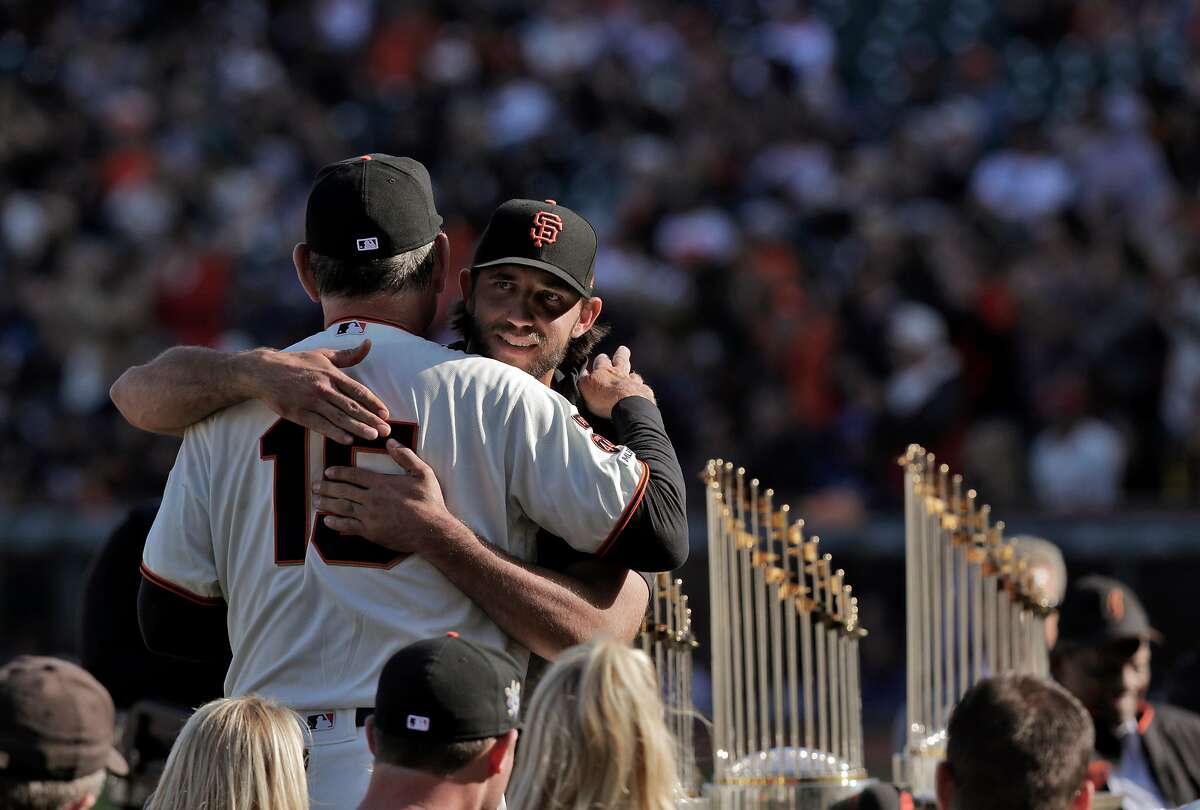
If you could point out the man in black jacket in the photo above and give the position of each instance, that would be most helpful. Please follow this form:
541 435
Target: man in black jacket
1149 753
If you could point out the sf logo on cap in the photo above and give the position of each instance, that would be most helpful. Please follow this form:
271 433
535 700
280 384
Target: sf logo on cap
546 226
1115 604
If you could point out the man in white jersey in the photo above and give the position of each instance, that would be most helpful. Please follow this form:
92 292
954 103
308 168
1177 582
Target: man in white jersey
516 291
312 615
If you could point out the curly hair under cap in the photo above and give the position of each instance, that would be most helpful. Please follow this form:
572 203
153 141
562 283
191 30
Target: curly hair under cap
579 350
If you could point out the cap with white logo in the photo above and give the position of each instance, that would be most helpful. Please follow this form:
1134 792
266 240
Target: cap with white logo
448 689
371 207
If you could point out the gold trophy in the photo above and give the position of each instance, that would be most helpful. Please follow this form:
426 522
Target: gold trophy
787 713
972 610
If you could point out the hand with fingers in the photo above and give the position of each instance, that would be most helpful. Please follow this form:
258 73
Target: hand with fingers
310 389
610 381
400 512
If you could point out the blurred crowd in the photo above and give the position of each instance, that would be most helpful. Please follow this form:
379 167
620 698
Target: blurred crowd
828 229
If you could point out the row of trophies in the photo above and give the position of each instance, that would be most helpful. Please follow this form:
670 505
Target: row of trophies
786 725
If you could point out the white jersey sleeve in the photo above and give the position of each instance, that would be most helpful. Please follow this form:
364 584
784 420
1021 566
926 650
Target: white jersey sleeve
178 554
568 479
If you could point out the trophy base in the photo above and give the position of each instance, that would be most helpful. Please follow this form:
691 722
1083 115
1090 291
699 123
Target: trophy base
796 796
786 779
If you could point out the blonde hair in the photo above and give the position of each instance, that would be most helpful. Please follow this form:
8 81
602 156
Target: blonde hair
595 737
244 753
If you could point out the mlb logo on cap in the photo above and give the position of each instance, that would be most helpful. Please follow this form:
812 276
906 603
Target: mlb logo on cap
418 723
370 243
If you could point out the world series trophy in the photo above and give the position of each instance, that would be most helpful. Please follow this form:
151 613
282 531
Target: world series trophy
973 610
787 719
666 636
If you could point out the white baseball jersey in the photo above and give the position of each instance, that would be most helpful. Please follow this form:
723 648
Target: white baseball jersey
313 615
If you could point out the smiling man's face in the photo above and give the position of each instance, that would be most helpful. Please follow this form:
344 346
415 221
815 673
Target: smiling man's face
525 317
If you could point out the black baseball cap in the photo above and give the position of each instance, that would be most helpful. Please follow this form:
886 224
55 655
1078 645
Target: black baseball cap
543 235
56 722
371 207
448 690
1099 609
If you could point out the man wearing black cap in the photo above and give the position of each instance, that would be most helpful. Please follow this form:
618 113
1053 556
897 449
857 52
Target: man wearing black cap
445 727
56 736
529 301
532 281
310 611
1149 753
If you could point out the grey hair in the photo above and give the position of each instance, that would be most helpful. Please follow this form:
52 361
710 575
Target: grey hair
1040 552
411 271
49 794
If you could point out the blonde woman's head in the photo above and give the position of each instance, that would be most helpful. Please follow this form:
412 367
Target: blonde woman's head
595 736
244 753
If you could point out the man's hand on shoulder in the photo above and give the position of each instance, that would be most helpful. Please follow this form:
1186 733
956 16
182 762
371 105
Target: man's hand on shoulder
310 389
400 512
610 381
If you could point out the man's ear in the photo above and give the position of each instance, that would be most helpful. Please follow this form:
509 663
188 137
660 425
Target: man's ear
466 286
441 244
300 258
369 728
499 752
944 786
588 313
1083 799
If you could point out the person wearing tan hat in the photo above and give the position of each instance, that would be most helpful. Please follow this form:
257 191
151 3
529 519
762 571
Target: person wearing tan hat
56 736
1148 752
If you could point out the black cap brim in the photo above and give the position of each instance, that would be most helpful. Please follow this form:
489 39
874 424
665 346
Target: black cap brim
538 265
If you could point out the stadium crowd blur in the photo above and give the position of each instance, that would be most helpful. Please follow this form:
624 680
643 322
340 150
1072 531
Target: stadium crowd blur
828 229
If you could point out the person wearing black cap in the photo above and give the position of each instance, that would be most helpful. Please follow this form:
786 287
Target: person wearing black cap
1150 753
445 727
56 736
529 301
311 610
537 288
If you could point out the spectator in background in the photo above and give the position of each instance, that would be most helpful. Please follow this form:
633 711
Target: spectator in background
56 736
1149 753
445 727
1078 462
1049 572
243 753
924 395
595 735
1016 742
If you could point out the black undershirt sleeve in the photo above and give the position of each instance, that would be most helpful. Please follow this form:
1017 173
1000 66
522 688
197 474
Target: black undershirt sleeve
656 536
175 626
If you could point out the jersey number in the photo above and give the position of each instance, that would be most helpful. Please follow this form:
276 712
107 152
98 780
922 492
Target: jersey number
286 444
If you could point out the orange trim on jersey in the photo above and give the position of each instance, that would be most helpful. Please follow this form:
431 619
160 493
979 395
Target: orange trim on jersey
638 493
1146 719
179 590
382 321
